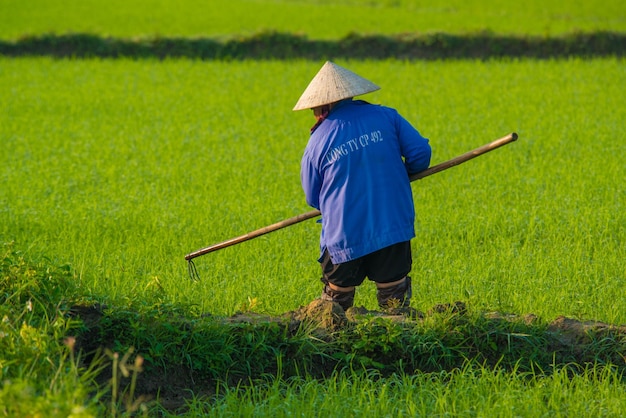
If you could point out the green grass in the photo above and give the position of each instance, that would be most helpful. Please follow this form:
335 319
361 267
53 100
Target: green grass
121 168
112 171
449 362
39 373
315 19
470 392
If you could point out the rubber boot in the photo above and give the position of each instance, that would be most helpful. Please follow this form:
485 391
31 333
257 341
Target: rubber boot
344 299
398 296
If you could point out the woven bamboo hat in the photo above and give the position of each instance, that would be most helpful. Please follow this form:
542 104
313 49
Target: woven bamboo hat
333 83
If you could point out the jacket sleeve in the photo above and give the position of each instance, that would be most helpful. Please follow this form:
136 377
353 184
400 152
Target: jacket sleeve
414 147
311 182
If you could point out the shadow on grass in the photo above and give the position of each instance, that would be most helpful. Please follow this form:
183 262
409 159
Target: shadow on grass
277 45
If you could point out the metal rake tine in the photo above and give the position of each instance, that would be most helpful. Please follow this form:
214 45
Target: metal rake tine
193 272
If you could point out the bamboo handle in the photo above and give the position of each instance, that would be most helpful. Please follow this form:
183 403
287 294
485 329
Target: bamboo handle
314 213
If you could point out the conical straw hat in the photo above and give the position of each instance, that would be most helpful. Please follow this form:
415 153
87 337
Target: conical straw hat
333 83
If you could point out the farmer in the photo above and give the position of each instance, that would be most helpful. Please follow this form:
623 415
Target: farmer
355 171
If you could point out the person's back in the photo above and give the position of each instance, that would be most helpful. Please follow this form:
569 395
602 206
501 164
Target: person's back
354 172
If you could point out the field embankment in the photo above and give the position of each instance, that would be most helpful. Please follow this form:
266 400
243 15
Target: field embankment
279 45
320 340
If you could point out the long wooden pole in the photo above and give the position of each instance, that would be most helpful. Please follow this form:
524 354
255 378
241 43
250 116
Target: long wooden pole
314 213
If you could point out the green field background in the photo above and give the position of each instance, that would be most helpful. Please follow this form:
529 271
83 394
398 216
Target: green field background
323 19
120 168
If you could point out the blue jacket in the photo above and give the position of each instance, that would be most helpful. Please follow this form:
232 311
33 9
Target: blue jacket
355 171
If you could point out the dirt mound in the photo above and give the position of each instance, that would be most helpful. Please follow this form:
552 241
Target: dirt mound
331 317
574 333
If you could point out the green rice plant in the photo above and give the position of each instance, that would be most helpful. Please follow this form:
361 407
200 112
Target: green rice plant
472 391
320 20
122 186
116 169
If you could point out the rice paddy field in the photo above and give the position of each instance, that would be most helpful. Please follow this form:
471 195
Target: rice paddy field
324 19
112 170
